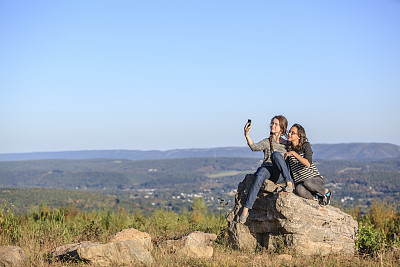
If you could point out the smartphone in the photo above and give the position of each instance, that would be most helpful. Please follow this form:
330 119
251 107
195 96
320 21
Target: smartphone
249 122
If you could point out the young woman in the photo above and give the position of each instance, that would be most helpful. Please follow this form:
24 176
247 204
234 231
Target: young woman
309 182
273 164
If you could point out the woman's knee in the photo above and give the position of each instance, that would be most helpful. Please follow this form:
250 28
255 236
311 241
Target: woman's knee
314 184
299 190
303 192
308 183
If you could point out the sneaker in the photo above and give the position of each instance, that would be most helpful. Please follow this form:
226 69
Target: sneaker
288 189
323 201
243 218
328 197
320 200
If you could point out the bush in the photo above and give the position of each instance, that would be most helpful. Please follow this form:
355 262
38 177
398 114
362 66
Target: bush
10 229
369 240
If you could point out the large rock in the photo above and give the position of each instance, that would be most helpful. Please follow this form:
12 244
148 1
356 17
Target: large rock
116 253
195 244
285 220
70 251
133 234
12 256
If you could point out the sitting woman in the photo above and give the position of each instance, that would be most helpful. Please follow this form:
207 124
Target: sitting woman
273 164
309 182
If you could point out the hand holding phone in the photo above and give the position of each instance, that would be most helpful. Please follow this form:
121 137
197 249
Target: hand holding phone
247 127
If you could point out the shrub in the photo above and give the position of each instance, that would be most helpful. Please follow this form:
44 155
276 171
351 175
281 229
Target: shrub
369 239
10 228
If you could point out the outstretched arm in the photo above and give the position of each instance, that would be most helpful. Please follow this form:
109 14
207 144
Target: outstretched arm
247 128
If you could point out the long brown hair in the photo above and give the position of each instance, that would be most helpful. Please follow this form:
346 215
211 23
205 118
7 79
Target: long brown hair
282 124
302 135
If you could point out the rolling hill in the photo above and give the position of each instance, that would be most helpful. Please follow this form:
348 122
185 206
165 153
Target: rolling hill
350 151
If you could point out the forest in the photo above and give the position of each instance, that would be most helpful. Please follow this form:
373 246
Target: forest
174 183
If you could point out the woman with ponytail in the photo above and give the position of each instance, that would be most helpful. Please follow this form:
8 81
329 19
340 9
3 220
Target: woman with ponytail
273 165
309 182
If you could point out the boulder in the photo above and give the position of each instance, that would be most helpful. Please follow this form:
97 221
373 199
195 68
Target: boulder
116 253
195 244
12 256
196 252
284 220
133 234
69 251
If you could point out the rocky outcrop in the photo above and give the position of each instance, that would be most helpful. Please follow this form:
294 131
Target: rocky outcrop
285 220
133 234
12 256
195 244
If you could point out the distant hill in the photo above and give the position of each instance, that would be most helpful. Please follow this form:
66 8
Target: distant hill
356 151
348 151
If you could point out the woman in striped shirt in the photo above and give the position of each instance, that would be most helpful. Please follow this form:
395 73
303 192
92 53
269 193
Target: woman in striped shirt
309 182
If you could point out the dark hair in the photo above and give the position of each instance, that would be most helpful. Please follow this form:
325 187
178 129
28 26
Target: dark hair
282 124
302 135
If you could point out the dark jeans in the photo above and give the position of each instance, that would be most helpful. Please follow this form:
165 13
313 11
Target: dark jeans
311 187
277 173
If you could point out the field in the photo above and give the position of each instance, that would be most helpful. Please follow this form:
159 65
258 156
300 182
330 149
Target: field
39 232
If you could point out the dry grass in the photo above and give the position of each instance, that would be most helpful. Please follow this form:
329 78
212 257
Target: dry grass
41 255
39 233
224 256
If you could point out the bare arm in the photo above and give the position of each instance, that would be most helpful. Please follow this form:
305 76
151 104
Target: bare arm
304 161
247 128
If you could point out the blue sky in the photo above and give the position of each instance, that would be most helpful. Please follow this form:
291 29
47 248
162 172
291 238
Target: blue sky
77 75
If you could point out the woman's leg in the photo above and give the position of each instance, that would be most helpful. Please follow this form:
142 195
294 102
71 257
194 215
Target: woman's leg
315 185
262 174
303 192
280 164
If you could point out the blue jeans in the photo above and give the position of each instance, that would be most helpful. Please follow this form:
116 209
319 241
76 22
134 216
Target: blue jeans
273 173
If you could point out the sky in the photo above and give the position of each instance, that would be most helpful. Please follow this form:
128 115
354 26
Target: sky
160 75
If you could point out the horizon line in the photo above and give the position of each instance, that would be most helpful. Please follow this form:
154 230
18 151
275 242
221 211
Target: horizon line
198 148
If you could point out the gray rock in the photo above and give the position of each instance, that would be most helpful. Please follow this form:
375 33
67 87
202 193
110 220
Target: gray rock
285 220
12 256
196 252
116 253
195 244
133 234
69 251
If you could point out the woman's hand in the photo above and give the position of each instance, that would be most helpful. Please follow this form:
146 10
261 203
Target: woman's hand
290 153
247 128
303 161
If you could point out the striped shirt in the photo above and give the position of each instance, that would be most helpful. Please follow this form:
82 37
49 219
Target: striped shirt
299 171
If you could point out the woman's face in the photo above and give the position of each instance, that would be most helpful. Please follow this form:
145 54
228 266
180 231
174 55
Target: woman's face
275 128
293 134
